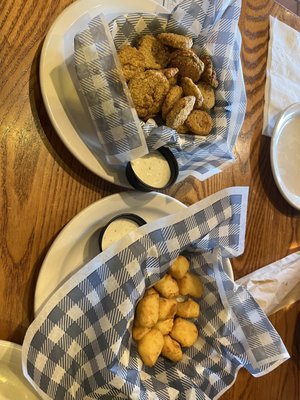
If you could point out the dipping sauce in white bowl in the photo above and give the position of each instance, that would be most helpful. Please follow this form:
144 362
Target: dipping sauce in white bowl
285 154
288 155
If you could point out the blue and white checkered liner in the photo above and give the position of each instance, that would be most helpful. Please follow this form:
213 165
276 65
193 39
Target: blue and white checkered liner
107 94
80 345
214 28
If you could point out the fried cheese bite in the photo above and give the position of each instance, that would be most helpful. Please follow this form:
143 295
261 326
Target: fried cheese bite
171 349
188 309
179 267
167 287
147 311
150 347
161 325
150 291
138 332
191 285
167 308
165 326
184 332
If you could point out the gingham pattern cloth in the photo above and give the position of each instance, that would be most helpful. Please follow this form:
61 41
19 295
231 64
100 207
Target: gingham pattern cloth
107 95
214 28
80 345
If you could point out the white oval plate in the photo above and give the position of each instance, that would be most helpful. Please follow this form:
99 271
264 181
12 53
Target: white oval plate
13 384
288 181
66 109
77 243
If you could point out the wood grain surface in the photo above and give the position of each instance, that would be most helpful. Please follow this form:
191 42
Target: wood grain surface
43 186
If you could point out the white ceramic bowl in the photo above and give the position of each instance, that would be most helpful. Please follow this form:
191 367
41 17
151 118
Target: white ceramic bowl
285 154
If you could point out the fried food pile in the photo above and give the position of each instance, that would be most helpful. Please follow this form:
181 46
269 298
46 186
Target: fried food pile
166 77
162 324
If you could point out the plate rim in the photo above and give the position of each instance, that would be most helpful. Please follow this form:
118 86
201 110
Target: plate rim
290 110
153 196
44 83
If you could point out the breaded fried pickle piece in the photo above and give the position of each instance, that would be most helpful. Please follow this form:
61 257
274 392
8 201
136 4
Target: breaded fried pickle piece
167 287
199 122
179 267
180 111
132 61
148 91
185 332
208 94
209 74
191 89
182 129
150 347
171 74
174 94
171 349
155 53
175 41
188 63
147 311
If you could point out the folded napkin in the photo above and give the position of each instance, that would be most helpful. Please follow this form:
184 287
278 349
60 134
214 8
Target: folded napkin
283 69
214 27
276 285
80 345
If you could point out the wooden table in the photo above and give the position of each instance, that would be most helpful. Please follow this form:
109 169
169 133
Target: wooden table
43 186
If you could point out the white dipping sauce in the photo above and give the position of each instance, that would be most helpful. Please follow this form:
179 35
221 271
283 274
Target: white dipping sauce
152 169
288 155
116 230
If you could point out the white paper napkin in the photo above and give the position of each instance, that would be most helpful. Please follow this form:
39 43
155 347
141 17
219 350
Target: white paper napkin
283 72
276 285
